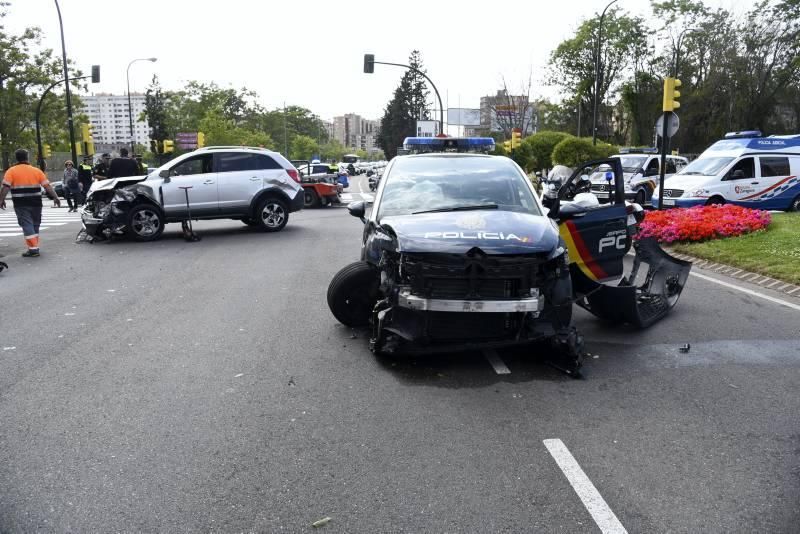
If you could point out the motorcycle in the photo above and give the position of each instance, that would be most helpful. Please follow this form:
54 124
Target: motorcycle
374 179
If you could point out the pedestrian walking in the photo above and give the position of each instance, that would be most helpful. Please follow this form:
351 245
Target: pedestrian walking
123 165
71 185
25 183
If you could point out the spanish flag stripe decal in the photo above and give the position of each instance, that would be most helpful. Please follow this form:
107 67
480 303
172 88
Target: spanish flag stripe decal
573 251
583 252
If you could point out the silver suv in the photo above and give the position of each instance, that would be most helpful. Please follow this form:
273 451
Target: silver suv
257 186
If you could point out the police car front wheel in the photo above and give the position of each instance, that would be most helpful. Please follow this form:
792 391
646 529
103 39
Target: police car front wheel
795 205
352 294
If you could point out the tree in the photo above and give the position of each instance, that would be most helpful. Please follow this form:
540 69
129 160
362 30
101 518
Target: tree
220 130
572 151
156 111
513 111
332 150
408 104
25 72
537 150
303 147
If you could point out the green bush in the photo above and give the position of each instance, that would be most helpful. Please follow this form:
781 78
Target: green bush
572 151
537 149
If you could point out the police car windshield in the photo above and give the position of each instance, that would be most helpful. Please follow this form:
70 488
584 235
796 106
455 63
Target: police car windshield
706 166
632 164
426 183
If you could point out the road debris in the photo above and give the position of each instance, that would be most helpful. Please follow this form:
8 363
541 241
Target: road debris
686 347
321 523
239 375
291 382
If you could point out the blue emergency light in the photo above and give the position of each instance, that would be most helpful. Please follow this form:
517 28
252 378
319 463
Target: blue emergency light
416 145
746 134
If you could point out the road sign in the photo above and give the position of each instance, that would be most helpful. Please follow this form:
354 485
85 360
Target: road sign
673 123
186 140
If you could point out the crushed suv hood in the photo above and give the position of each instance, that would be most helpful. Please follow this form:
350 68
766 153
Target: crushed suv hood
113 183
493 231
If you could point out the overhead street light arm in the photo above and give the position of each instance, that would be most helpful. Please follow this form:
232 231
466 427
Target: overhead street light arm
435 90
597 71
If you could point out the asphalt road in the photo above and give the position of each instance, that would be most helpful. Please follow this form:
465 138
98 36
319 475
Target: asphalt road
177 386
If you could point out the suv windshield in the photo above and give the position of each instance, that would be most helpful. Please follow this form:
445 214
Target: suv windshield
424 183
706 166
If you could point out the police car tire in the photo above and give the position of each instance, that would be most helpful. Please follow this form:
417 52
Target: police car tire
719 201
352 294
795 205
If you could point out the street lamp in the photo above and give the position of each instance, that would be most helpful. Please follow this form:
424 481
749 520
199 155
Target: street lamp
130 106
70 124
678 49
597 71
369 68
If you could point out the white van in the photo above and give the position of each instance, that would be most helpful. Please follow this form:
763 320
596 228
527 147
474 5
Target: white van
744 169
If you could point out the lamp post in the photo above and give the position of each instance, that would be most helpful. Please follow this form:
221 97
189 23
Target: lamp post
369 62
70 124
678 49
598 49
130 105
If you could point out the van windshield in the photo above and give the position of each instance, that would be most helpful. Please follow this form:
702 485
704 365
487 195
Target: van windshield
706 166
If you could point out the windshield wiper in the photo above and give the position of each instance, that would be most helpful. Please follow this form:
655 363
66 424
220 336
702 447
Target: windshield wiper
459 208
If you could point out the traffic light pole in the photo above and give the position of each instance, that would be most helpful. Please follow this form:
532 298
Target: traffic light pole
435 90
663 166
70 124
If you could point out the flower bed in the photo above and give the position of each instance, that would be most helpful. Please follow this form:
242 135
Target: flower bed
702 223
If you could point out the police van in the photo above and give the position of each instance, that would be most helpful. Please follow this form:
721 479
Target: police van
745 169
641 168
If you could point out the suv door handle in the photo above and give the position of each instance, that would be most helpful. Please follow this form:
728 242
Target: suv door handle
754 183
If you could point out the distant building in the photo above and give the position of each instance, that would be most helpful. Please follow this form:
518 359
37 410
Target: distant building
356 132
108 115
503 111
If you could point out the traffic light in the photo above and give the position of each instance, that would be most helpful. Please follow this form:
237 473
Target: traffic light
95 73
169 146
369 63
86 132
46 152
516 138
671 94
507 146
201 139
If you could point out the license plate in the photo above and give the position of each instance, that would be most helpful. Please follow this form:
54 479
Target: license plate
669 202
601 194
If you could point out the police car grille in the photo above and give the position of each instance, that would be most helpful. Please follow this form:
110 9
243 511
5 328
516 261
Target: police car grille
600 187
444 326
460 288
673 193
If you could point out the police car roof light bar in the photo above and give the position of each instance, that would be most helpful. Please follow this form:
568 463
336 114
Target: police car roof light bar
638 150
745 134
449 144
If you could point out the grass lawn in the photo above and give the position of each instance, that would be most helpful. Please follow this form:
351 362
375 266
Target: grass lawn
772 252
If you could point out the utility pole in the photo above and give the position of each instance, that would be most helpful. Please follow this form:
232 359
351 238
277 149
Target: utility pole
597 71
70 123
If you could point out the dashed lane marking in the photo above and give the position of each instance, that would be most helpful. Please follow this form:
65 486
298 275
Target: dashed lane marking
588 494
494 359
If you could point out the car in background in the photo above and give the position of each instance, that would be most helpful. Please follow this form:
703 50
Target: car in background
58 187
641 169
256 186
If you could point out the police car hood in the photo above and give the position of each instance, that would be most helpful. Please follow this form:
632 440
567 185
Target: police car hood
493 231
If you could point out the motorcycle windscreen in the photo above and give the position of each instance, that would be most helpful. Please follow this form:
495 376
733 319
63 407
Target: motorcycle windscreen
640 298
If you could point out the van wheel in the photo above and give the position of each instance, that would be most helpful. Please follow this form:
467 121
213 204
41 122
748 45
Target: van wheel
795 205
718 201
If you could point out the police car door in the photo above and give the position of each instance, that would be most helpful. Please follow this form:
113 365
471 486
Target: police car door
742 183
597 239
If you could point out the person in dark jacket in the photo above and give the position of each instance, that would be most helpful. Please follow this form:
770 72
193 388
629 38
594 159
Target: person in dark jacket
85 177
71 185
123 165
100 171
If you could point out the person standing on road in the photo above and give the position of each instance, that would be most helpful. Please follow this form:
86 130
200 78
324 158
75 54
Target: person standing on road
25 183
100 171
71 185
85 177
123 166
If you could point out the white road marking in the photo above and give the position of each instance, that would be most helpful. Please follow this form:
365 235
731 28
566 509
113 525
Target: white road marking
748 291
493 358
591 498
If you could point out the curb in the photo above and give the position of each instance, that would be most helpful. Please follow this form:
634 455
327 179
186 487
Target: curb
740 274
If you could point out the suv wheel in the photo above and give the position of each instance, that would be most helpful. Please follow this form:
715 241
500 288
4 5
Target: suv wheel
145 223
272 215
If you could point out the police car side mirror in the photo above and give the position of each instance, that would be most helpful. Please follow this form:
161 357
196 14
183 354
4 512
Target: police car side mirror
357 209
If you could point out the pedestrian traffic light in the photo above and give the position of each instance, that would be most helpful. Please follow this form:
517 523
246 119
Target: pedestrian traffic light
46 152
169 146
671 94
507 146
201 139
516 138
369 63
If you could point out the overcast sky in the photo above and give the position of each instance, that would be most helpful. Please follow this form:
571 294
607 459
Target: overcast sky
310 52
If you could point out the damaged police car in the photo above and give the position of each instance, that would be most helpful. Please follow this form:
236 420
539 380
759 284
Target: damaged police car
459 253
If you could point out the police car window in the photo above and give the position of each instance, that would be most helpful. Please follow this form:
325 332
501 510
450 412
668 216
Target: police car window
774 166
632 164
195 165
652 167
747 166
434 182
671 166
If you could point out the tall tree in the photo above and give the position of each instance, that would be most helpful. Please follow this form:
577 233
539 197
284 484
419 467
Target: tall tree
156 111
408 104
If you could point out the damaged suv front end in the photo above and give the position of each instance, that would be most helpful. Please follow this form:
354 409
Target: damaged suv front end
115 206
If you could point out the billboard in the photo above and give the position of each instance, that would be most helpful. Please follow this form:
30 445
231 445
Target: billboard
427 128
186 140
463 116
